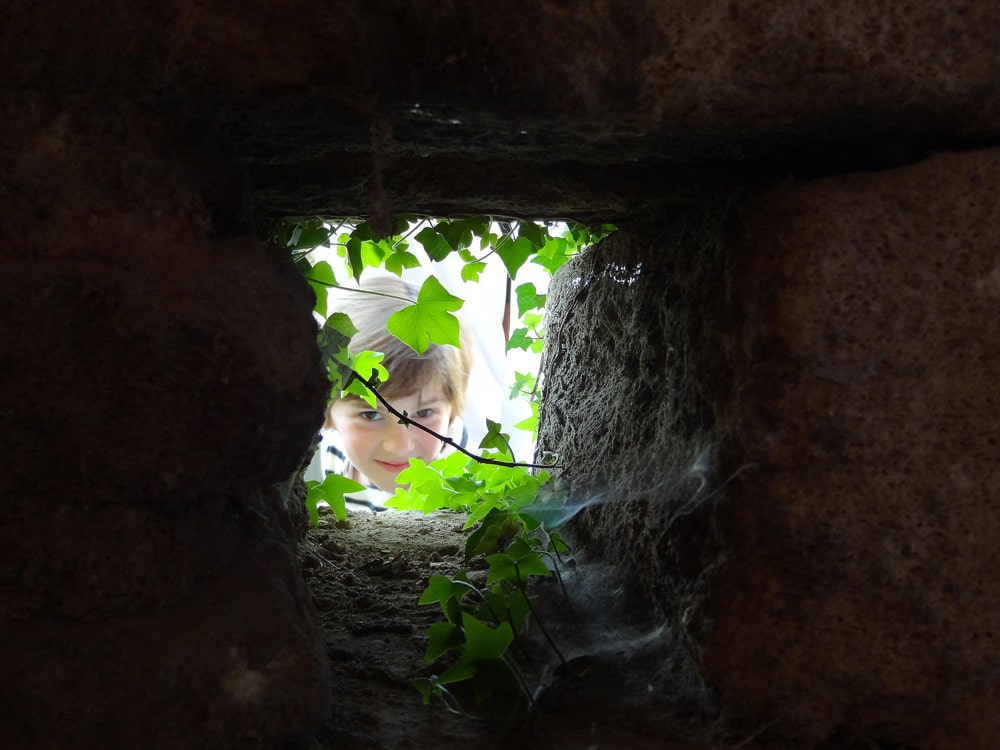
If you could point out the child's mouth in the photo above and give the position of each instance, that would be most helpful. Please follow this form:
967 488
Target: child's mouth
393 465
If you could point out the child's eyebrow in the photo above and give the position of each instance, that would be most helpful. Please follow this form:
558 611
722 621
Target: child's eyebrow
435 400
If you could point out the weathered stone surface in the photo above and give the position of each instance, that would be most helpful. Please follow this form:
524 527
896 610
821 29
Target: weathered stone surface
127 627
156 385
587 109
629 409
865 545
839 342
158 371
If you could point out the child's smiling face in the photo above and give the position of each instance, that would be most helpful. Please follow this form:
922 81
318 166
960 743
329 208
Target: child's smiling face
378 446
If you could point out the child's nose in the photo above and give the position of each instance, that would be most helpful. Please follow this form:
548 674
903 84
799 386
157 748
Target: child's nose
398 439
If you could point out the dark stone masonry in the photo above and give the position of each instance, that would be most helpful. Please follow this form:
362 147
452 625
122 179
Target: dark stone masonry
782 367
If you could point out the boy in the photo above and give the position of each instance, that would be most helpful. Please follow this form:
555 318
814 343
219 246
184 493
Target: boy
374 446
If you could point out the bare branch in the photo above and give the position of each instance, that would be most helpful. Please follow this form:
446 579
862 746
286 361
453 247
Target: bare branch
447 440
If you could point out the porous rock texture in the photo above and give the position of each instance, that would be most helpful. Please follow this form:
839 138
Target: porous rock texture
157 386
592 110
792 402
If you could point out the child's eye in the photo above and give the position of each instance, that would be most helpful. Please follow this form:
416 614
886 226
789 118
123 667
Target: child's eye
423 413
369 416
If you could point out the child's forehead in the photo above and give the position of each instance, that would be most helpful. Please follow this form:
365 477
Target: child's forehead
430 392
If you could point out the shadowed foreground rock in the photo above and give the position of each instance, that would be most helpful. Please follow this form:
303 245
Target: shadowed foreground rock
158 385
788 374
800 422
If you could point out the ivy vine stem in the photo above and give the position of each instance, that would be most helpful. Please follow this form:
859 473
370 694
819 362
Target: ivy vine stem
370 292
541 626
444 438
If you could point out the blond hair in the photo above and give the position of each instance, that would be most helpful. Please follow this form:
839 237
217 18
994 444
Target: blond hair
369 309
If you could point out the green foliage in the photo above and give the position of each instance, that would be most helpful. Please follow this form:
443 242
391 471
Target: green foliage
528 299
367 365
332 491
511 525
430 319
481 623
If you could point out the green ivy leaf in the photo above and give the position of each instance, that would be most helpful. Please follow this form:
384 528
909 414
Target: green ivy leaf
460 671
532 232
320 278
332 490
425 687
530 424
429 319
518 549
454 464
373 253
438 590
417 473
341 322
309 234
532 319
442 637
434 243
521 490
486 502
472 270
518 607
514 254
502 568
483 643
487 538
312 503
460 232
554 254
528 299
354 259
516 570
400 260
495 439
369 366
519 339
532 565
333 339
524 383
556 543
504 603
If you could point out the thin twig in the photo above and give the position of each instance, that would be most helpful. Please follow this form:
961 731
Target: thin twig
447 440
482 598
538 620
359 291
519 676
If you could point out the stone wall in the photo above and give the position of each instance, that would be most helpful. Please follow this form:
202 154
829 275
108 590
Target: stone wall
158 373
157 385
823 356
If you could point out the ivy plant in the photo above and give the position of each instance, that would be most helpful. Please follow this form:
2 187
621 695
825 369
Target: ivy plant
509 526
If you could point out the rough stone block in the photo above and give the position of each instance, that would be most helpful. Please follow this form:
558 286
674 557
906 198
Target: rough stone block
864 578
796 408
157 383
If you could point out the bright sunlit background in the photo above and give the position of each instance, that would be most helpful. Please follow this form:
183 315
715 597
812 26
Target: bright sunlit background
495 370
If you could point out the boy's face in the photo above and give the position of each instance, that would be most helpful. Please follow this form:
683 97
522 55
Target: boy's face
379 446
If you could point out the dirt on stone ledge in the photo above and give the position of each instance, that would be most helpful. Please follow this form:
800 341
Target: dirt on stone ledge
366 576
